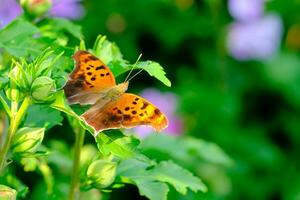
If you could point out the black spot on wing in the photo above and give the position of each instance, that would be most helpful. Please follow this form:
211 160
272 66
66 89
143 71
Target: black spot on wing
157 111
133 112
145 104
114 118
100 67
127 117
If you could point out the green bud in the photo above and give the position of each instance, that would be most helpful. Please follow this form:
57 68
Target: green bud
36 8
88 154
14 94
27 140
101 173
20 77
6 193
42 88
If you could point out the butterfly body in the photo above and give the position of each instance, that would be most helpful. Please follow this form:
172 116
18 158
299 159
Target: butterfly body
92 82
115 92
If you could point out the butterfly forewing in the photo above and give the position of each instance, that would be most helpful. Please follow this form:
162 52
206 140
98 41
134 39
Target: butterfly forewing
90 78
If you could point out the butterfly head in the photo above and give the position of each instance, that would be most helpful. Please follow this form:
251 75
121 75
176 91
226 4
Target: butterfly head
122 87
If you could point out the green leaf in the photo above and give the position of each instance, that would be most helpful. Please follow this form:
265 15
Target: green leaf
146 175
17 38
136 171
43 116
156 70
60 24
153 190
117 144
152 68
180 178
106 50
190 149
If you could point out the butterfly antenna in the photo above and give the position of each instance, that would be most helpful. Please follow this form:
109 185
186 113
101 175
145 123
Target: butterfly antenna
134 65
135 74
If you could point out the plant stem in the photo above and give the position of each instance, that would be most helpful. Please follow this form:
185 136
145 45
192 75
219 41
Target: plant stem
74 193
16 118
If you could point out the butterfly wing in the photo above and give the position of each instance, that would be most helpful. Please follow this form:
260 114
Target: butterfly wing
90 78
127 112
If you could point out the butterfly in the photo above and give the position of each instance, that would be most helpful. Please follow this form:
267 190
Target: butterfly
92 82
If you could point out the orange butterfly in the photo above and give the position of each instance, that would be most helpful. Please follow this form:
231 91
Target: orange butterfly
92 82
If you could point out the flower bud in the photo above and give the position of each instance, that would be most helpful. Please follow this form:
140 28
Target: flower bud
101 173
14 94
36 8
88 154
6 193
42 88
27 140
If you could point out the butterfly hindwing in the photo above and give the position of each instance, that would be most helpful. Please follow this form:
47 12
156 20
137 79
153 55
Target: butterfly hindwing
89 78
126 112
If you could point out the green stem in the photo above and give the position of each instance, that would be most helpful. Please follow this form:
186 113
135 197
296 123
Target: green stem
74 193
16 118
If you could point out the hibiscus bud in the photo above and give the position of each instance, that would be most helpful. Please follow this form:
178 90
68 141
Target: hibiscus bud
36 8
27 140
6 193
42 88
101 173
13 94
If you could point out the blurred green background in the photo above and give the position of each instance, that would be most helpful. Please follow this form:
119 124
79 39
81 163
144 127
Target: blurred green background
235 72
247 104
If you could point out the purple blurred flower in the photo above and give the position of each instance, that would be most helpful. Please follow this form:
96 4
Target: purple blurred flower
259 39
167 103
71 9
9 9
246 10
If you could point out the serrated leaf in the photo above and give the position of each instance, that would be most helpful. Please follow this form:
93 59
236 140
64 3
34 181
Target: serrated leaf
190 148
17 38
138 172
43 116
66 25
152 68
131 168
117 144
178 177
156 70
153 190
107 51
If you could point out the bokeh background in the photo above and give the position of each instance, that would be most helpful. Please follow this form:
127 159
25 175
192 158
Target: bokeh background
235 72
